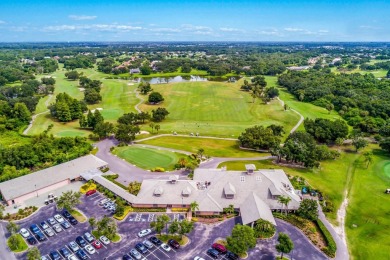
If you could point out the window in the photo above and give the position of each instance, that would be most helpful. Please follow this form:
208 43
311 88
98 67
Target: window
242 178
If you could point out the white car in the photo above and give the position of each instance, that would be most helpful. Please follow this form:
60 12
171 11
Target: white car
104 240
90 249
24 232
72 257
165 247
198 258
74 247
49 232
57 228
59 218
148 244
144 232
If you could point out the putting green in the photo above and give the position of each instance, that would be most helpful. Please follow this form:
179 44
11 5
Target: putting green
148 158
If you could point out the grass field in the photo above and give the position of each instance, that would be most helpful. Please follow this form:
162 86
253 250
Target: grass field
148 158
369 209
11 138
118 98
216 108
331 178
212 147
22 246
306 109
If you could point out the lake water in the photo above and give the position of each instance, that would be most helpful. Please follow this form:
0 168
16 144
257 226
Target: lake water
162 80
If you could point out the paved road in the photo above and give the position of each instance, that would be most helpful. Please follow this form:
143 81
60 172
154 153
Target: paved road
5 252
342 250
300 115
126 171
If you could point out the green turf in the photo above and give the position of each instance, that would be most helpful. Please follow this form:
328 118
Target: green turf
330 178
22 246
148 158
118 98
212 147
369 209
216 108
12 138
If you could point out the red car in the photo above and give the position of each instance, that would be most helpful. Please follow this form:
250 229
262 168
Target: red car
96 244
220 248
90 192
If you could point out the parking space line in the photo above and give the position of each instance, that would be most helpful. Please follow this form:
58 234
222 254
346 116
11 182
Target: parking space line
152 252
162 251
209 257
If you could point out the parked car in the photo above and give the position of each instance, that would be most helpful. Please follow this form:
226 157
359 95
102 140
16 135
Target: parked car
66 214
73 221
105 240
72 257
40 237
88 237
31 240
127 257
65 252
24 232
103 201
155 241
44 258
49 232
34 229
80 241
173 243
57 228
90 192
231 256
148 244
44 225
59 218
144 232
141 248
106 205
52 221
220 248
96 244
65 225
81 254
165 247
134 253
54 255
90 250
198 258
213 253
73 246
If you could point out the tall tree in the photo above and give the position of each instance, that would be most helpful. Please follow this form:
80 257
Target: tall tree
185 227
92 222
68 200
13 228
194 207
241 239
308 209
368 158
284 200
174 227
107 227
33 253
359 143
285 244
126 133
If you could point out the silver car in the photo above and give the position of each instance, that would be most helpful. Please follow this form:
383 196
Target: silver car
57 228
74 247
49 232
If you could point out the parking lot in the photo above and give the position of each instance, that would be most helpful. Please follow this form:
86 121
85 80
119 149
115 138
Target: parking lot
201 239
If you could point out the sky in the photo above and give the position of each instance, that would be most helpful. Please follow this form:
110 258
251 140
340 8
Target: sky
183 20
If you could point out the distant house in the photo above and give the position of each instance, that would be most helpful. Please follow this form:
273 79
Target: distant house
134 71
297 68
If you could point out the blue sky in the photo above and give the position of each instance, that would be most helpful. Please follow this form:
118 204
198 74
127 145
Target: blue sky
141 20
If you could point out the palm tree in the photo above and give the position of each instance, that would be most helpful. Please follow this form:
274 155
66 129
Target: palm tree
92 222
368 158
200 153
230 209
284 200
152 126
194 207
182 162
157 127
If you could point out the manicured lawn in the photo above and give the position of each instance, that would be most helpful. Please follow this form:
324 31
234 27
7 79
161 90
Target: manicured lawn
212 147
368 222
116 238
148 158
331 178
77 215
22 246
216 108
118 98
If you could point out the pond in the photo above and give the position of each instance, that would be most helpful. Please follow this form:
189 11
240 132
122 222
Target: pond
161 80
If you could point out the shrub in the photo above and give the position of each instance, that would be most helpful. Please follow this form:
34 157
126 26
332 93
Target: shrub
158 169
331 248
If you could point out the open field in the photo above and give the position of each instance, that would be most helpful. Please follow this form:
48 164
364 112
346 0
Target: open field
306 109
331 178
118 98
369 209
216 108
148 158
212 147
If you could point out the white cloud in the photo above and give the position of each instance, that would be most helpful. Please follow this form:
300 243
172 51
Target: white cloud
82 17
165 30
227 29
2 22
369 27
291 29
94 27
190 27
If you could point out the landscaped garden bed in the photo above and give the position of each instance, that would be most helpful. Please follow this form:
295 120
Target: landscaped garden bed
22 213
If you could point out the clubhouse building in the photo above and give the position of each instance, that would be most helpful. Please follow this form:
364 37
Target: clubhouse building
254 193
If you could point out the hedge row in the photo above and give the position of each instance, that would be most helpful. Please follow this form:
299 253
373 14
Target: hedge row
331 249
149 209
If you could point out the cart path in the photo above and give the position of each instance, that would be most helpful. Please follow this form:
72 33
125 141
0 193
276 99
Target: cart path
140 102
35 116
300 115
